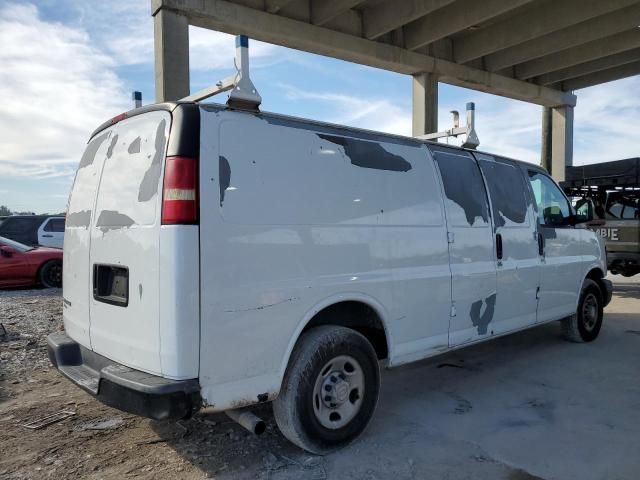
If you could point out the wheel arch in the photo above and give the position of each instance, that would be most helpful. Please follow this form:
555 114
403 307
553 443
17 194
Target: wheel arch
341 310
597 275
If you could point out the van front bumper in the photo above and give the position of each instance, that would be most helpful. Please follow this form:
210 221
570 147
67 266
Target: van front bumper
122 387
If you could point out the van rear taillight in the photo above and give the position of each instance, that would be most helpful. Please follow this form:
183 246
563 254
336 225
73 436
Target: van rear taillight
180 191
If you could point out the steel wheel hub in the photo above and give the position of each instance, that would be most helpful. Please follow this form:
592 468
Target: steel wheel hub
590 311
338 391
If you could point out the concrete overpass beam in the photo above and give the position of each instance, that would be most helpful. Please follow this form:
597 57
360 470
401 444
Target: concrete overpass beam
587 31
425 103
171 37
534 23
453 18
390 15
323 11
603 76
605 63
587 52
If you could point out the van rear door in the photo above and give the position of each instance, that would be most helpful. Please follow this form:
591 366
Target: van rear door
125 244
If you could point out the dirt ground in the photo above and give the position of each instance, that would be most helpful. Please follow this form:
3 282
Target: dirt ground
522 407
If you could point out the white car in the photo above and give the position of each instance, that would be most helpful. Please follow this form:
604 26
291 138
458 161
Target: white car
216 258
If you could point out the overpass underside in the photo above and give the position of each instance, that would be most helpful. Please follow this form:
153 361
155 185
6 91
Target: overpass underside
538 51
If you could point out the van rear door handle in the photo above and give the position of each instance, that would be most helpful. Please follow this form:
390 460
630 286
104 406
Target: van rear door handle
47 236
499 246
540 244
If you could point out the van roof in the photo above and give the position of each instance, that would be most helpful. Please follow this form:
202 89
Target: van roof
300 123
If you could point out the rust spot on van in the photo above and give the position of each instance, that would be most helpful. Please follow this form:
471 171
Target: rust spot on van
112 220
134 147
89 154
366 154
149 184
224 174
79 219
482 320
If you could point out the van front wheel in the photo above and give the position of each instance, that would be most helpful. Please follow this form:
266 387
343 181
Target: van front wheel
585 324
330 389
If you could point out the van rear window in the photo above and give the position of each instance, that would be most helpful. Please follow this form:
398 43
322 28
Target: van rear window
130 184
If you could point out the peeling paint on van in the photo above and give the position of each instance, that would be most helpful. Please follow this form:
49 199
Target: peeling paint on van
481 321
368 154
79 219
114 142
112 220
224 174
89 154
134 147
149 184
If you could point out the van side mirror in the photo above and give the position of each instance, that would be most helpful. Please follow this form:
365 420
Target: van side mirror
6 252
584 211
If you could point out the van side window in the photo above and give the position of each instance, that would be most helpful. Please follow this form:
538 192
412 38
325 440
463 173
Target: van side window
466 197
507 191
553 206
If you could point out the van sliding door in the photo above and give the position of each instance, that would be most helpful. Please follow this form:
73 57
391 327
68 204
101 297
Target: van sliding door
471 257
517 257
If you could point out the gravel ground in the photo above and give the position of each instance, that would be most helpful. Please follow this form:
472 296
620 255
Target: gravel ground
28 316
522 407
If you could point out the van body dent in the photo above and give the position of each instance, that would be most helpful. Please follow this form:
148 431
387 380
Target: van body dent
207 249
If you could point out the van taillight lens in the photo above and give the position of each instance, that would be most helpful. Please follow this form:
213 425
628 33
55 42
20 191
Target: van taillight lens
180 191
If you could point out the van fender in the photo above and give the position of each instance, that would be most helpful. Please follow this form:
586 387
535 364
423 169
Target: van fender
327 302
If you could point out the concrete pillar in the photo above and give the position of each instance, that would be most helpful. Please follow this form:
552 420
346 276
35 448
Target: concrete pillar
545 144
561 141
425 103
171 45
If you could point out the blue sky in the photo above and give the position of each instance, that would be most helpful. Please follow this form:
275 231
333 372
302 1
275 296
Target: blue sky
69 65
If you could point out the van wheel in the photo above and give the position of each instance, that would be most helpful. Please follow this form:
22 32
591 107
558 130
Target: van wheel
585 324
50 275
329 391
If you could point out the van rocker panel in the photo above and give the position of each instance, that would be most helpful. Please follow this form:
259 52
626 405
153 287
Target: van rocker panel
121 387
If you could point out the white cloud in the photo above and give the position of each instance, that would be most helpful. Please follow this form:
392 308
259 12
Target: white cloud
606 120
363 112
56 87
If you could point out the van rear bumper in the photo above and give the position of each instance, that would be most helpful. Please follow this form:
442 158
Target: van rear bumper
122 387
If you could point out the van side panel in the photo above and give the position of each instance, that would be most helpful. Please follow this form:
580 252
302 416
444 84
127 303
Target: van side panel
292 216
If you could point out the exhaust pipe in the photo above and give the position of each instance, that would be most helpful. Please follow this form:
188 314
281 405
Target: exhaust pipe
247 420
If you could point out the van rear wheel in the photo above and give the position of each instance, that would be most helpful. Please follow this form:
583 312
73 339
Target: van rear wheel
330 389
50 274
585 324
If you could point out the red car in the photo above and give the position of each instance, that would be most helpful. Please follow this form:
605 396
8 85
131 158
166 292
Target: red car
24 266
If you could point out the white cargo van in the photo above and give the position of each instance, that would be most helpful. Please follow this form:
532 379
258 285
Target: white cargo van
217 258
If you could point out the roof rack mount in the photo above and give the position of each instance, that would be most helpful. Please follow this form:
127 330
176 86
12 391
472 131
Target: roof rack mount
243 93
471 137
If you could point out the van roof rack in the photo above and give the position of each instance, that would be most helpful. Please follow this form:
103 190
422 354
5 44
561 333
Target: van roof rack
243 94
469 131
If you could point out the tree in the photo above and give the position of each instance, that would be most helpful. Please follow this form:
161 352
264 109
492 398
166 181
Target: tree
4 211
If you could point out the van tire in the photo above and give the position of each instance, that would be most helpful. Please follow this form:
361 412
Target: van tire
585 324
299 412
50 274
